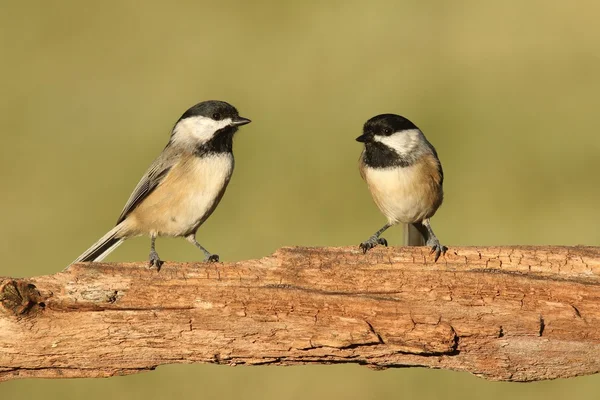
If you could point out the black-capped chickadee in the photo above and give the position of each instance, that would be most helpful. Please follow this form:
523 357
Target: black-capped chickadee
183 186
405 177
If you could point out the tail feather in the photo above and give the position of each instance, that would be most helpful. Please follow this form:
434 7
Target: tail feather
103 247
412 236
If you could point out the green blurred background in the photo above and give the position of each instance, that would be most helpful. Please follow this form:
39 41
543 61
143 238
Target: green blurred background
508 92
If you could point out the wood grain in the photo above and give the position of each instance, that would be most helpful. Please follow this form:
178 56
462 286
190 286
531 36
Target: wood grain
502 313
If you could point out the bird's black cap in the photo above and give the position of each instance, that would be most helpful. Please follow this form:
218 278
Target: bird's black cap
384 125
216 110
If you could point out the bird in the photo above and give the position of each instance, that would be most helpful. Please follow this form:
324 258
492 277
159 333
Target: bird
405 177
183 185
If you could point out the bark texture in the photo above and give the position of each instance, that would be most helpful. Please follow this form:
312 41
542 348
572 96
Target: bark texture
502 313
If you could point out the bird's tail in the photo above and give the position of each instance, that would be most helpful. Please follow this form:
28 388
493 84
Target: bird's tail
102 247
412 236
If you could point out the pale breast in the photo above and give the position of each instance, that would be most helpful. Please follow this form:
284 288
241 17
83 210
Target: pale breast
405 194
186 197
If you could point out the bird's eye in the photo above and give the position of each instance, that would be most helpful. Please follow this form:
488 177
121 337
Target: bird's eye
387 131
216 116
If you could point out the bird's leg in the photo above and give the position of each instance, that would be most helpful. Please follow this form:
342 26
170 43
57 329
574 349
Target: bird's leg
207 255
155 260
375 240
433 241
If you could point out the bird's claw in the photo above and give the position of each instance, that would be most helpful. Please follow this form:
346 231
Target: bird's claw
438 249
212 258
372 242
155 261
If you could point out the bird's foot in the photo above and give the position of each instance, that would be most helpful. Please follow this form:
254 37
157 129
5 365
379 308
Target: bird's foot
211 258
436 248
372 242
155 260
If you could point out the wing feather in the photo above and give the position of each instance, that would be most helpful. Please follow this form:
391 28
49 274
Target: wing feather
151 179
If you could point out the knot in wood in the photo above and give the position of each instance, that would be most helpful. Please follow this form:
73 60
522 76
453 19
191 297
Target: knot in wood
19 297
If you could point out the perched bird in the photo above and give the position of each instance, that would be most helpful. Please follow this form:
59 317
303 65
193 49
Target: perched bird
183 186
405 177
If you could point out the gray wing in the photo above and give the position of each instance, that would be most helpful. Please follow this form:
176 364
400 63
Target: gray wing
151 179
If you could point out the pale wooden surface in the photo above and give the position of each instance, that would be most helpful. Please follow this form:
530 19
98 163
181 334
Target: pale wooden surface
517 314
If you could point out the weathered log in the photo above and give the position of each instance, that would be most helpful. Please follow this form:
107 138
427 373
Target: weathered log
502 313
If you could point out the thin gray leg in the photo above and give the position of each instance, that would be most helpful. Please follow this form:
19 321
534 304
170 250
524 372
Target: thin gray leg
375 240
207 255
433 241
155 260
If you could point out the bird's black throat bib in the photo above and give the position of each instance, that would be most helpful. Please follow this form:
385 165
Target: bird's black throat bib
378 155
221 142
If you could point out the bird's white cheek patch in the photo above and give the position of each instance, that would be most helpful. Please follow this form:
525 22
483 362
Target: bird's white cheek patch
198 129
402 142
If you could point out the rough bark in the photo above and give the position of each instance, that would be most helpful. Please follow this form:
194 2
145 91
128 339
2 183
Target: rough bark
513 313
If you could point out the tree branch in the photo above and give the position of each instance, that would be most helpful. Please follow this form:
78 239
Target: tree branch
513 313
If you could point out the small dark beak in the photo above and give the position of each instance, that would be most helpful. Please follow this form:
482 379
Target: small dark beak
363 138
239 121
